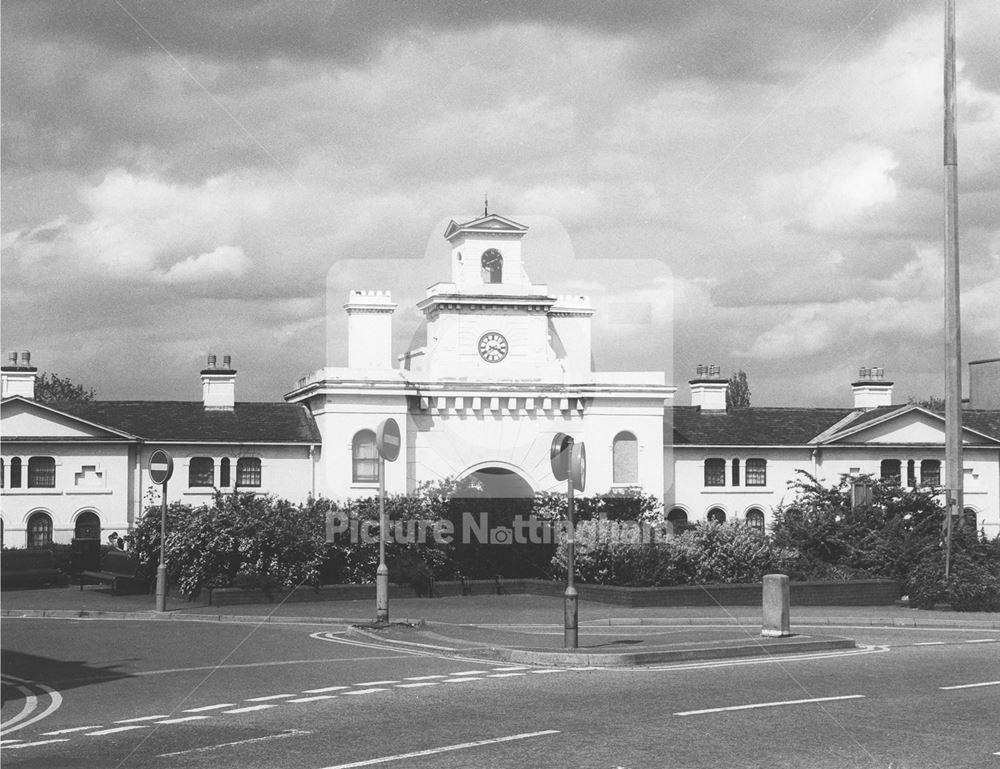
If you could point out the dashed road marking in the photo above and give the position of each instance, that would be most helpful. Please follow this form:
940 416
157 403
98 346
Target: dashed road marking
423 678
314 698
768 705
443 749
467 673
211 707
981 641
376 683
417 684
141 718
34 744
367 691
250 709
115 730
70 731
183 719
970 686
460 680
929 643
505 675
324 689
268 697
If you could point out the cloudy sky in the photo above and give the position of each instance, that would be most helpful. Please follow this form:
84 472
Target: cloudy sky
190 177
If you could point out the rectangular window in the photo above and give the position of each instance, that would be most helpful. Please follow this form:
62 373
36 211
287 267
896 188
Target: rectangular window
736 472
41 473
248 471
930 472
715 472
201 472
756 472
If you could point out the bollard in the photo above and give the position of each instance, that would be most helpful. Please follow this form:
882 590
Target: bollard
775 605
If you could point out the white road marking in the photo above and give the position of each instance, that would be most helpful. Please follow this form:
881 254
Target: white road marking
324 689
768 705
102 732
552 670
970 686
268 697
929 643
281 736
423 678
250 709
203 708
9 742
314 698
981 641
461 680
70 731
33 744
509 669
366 691
142 718
375 683
467 673
443 749
505 675
24 718
419 683
183 719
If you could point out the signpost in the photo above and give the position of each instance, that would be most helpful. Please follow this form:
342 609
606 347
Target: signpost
161 467
388 442
569 463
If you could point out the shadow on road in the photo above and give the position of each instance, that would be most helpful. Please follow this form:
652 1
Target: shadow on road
59 674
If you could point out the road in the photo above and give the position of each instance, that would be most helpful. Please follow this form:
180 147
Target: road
96 693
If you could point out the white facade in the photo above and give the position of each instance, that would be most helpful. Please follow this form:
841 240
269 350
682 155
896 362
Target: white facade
506 366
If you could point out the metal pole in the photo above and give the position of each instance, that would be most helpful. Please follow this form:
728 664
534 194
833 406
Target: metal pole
570 633
382 574
161 570
952 318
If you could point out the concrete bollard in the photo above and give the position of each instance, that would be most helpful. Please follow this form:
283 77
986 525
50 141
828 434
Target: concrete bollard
776 618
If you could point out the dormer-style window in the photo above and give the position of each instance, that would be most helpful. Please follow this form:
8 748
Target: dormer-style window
492 264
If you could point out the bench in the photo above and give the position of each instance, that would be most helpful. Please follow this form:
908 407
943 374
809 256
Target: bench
118 569
32 566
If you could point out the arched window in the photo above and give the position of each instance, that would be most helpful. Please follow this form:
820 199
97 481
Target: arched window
717 515
756 472
88 526
248 471
969 518
930 472
715 472
889 470
41 473
15 473
492 266
201 472
39 530
755 519
364 457
625 459
224 465
678 519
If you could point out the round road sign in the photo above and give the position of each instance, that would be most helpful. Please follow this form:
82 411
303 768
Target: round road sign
578 466
161 467
387 440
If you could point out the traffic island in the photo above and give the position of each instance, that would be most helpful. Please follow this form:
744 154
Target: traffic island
654 647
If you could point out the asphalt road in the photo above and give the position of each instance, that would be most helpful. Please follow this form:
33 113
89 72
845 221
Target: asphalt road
93 693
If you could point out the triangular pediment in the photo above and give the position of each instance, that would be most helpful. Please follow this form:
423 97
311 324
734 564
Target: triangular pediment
906 425
24 419
491 223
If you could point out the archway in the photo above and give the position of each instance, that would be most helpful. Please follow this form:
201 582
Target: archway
717 515
494 531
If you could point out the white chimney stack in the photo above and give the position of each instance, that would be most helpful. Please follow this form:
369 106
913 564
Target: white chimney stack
218 385
708 389
871 389
369 329
18 378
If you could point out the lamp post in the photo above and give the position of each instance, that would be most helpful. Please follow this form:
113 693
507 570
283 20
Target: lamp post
569 463
387 442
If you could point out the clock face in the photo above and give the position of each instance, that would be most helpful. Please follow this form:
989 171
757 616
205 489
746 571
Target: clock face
492 347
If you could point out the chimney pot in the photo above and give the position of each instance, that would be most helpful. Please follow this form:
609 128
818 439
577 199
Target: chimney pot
25 358
12 357
211 360
227 361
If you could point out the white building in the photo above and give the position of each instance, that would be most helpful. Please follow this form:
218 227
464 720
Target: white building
737 464
506 366
80 469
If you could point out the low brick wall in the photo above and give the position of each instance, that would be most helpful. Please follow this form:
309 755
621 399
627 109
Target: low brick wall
869 592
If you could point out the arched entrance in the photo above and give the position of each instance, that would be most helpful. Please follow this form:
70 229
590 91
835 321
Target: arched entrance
494 531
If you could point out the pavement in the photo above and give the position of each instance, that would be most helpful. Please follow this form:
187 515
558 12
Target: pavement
519 629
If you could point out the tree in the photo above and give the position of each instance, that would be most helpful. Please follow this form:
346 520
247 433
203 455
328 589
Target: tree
52 388
738 392
933 403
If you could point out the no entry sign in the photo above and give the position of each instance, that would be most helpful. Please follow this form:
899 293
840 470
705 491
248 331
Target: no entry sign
387 440
161 467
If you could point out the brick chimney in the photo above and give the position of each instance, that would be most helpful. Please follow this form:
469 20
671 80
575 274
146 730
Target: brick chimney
871 389
18 377
708 389
218 385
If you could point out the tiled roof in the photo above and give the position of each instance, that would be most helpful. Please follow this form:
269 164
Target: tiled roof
787 426
751 426
191 421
